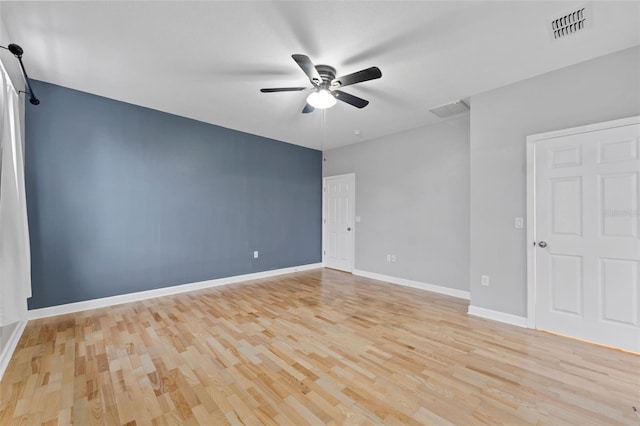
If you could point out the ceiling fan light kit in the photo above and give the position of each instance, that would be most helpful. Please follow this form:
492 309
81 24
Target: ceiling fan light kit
322 99
324 91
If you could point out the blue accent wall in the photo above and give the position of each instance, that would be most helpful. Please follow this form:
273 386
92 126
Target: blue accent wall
123 198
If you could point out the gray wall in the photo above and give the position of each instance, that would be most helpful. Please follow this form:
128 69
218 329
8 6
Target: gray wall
412 194
123 198
603 89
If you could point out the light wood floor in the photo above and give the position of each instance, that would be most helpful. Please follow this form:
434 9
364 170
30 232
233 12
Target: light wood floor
317 347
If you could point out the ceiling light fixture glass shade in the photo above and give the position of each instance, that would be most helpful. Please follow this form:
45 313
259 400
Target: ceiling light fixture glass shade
321 99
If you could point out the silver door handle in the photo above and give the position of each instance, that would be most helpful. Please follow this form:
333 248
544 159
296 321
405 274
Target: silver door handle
542 244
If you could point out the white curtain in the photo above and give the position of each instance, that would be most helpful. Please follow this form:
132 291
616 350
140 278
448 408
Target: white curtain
15 259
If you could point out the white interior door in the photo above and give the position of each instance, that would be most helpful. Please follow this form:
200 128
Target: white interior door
339 195
586 225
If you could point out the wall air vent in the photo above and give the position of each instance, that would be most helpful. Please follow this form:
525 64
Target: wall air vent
570 23
448 110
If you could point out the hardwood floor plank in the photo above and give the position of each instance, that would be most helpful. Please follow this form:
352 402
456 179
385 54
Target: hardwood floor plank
316 347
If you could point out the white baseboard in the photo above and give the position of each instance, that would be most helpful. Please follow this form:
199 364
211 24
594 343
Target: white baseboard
165 291
7 351
498 316
461 294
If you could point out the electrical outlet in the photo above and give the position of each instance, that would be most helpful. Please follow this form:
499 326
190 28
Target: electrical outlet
519 223
484 280
393 257
255 254
388 258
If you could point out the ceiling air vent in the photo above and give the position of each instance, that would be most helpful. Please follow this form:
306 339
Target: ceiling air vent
454 108
570 23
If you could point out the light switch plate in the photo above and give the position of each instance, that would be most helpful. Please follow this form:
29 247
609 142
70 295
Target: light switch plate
484 280
519 223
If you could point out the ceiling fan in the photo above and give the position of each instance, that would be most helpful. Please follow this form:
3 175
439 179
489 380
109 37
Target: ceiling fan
325 91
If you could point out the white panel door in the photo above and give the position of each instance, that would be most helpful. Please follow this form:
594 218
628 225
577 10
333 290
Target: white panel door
588 250
339 195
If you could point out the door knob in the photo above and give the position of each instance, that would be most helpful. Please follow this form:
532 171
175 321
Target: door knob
349 229
542 244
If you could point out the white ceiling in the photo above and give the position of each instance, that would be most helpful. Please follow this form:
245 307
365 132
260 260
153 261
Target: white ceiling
208 60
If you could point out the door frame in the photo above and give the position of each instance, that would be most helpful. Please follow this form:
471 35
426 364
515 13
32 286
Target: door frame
353 214
531 198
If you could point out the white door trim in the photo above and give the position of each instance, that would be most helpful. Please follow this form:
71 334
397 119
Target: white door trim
531 206
353 227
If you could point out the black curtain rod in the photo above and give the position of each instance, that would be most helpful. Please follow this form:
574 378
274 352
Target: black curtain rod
17 52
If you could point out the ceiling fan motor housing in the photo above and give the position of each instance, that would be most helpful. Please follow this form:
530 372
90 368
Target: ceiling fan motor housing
327 74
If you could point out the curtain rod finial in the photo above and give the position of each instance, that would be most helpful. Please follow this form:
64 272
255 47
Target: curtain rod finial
16 50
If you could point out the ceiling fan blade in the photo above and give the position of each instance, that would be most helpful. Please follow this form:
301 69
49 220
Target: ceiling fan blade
283 89
307 109
350 99
309 69
357 77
